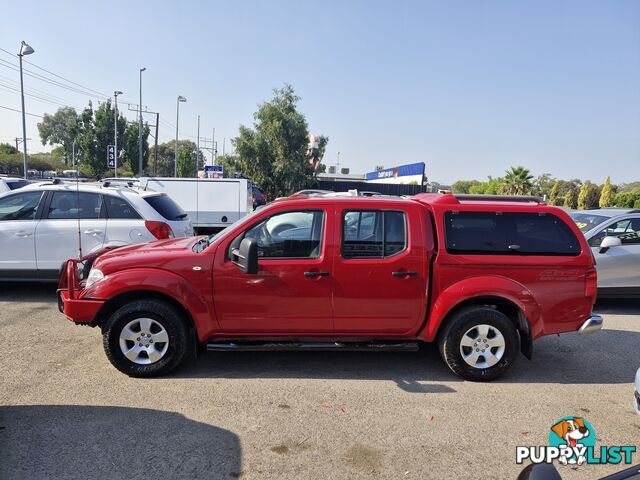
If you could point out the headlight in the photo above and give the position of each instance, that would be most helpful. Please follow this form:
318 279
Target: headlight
94 276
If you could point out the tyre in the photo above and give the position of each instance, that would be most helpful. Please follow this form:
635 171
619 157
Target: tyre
479 343
146 338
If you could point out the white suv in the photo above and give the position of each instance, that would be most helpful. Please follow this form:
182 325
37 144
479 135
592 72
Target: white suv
42 225
11 183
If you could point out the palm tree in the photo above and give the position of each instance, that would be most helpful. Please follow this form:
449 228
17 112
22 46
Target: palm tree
517 181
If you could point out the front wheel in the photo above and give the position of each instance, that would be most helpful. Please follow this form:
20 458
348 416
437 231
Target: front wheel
145 338
479 343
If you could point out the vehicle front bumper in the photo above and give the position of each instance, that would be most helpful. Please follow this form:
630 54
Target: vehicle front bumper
592 324
81 311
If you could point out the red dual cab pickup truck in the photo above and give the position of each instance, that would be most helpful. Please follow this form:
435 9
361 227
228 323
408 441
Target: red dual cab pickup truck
481 276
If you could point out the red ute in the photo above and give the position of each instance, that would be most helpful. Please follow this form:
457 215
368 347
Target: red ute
481 276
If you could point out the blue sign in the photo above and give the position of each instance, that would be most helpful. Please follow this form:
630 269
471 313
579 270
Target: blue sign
213 171
411 170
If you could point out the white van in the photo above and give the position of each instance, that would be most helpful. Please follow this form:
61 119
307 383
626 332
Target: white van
212 203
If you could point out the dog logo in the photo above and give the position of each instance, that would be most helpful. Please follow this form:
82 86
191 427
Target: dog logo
577 434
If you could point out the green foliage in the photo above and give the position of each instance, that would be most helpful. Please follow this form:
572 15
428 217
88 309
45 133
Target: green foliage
166 158
464 186
627 199
518 181
272 153
588 196
7 149
570 199
61 128
130 147
543 184
606 196
554 194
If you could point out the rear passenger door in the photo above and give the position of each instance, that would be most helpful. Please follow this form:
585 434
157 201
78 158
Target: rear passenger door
124 224
66 213
380 271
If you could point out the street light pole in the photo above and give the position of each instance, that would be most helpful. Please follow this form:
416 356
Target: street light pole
198 149
140 127
175 166
24 50
115 131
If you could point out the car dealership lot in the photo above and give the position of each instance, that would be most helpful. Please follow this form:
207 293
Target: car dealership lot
66 412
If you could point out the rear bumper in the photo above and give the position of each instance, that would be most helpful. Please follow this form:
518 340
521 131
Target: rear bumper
592 324
78 310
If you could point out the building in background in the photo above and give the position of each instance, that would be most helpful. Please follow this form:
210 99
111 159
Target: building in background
412 174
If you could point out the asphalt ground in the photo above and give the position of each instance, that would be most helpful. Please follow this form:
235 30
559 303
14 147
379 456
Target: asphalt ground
65 412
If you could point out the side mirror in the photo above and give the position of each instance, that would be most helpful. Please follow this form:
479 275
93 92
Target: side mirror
540 471
608 242
246 256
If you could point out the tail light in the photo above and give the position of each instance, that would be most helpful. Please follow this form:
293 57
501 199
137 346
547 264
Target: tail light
591 284
160 230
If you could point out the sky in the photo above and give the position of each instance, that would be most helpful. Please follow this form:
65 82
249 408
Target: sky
468 87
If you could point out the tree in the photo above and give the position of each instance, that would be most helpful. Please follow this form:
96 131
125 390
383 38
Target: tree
517 181
272 153
130 147
543 184
606 196
464 186
554 194
104 131
315 150
61 128
570 200
7 149
87 151
588 196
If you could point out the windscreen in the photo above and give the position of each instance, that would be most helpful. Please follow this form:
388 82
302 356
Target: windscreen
587 221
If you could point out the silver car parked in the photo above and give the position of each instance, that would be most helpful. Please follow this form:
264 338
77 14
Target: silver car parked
614 237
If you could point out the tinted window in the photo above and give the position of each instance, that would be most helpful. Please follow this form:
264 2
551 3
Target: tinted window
628 231
72 205
21 206
166 207
15 184
289 235
371 233
118 207
509 233
587 221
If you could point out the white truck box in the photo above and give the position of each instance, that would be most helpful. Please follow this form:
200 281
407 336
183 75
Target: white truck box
212 204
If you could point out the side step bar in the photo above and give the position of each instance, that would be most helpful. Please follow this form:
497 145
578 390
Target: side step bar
320 347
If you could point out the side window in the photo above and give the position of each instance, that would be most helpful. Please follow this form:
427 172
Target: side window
21 206
289 235
72 205
628 231
373 234
517 233
118 207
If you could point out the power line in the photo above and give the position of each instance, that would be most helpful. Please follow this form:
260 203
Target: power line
38 91
37 97
42 78
60 76
19 111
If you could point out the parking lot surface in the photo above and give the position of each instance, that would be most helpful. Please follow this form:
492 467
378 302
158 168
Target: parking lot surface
65 412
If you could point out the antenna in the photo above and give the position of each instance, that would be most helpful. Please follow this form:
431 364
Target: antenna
75 164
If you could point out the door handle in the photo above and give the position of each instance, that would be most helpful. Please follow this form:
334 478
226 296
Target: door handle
22 233
92 232
403 273
316 274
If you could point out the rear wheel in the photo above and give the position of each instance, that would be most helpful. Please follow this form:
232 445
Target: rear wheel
479 343
145 338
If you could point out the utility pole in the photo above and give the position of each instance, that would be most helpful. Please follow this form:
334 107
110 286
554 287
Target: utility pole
175 160
115 131
140 127
213 147
198 148
224 141
155 152
24 50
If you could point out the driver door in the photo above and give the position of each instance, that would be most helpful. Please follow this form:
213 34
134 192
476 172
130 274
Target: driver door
292 291
619 266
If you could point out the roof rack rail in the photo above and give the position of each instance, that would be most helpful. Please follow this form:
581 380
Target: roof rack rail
501 198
